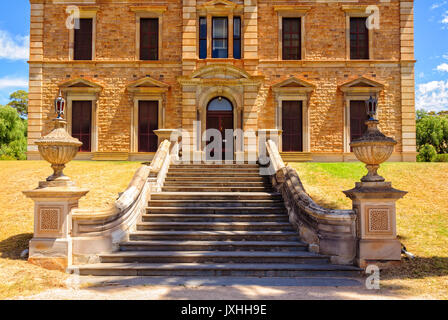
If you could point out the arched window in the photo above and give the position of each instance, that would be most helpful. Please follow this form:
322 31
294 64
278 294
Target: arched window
220 104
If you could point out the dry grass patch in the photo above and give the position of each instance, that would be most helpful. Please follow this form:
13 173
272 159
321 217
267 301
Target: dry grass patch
17 277
422 217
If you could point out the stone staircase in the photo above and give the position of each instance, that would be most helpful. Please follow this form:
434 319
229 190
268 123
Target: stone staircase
215 220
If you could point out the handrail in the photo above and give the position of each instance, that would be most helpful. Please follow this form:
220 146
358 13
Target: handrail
104 228
327 231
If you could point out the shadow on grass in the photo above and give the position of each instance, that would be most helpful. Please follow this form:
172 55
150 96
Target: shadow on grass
12 247
418 268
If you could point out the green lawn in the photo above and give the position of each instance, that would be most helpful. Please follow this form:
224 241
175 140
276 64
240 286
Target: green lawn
422 216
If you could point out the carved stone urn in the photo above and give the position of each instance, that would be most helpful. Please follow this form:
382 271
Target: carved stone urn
373 148
58 148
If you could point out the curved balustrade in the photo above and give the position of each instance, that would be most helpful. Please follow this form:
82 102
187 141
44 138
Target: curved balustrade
327 231
97 231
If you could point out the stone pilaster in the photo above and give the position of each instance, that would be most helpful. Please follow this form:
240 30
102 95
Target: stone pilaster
407 80
189 35
35 77
250 34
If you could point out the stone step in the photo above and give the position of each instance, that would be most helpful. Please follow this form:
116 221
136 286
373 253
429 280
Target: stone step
214 217
216 203
218 179
215 235
213 183
214 257
228 196
221 226
210 174
214 166
181 188
213 245
203 270
215 210
200 170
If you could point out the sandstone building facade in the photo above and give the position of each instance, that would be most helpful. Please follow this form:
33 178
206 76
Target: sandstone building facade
300 68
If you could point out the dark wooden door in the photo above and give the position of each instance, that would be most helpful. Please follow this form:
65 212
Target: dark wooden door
358 117
148 121
221 120
82 123
292 140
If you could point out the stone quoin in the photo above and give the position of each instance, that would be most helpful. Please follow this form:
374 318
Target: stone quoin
302 68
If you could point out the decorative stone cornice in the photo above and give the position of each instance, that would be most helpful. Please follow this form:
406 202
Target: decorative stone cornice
300 10
155 9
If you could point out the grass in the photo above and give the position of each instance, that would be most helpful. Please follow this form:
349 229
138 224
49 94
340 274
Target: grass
17 276
422 217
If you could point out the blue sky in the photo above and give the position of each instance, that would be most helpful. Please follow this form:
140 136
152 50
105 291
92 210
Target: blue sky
431 43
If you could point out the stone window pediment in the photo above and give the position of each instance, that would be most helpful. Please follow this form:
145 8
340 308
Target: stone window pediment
220 7
220 72
148 85
293 84
361 85
80 85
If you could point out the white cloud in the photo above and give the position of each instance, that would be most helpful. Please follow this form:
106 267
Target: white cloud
14 83
13 48
432 96
438 5
443 67
445 18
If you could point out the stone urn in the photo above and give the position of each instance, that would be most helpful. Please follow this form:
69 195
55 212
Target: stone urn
58 148
373 148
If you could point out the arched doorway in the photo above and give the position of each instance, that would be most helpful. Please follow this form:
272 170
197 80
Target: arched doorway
220 117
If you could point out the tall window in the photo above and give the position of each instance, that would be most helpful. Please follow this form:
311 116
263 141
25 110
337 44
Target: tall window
149 39
202 37
237 37
83 40
291 39
359 39
219 37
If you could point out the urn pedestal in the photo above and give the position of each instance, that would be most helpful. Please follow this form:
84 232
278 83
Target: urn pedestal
374 201
54 199
51 246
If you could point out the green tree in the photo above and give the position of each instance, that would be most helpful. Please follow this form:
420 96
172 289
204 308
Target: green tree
427 153
19 101
432 129
12 134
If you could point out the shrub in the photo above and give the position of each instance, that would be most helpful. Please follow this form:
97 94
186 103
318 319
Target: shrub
12 134
427 153
441 157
